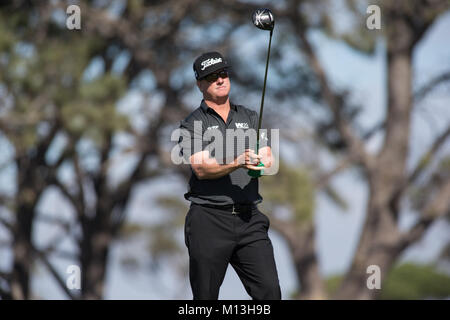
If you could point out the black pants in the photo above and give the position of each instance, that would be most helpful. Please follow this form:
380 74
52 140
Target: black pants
215 238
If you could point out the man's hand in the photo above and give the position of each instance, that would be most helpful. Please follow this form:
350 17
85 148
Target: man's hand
266 156
249 159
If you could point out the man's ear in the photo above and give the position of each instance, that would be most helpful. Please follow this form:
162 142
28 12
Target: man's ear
198 85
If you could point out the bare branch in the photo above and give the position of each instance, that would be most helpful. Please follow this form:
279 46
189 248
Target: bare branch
64 254
428 156
55 242
79 179
7 224
122 193
100 178
285 228
438 207
325 178
333 100
52 248
430 86
379 126
5 275
54 220
5 295
72 199
43 257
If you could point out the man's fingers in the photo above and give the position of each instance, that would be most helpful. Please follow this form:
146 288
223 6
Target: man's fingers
249 157
252 160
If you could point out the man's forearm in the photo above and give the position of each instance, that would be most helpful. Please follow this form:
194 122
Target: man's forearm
215 170
206 167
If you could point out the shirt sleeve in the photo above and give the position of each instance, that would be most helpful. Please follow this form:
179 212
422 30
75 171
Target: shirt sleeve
191 138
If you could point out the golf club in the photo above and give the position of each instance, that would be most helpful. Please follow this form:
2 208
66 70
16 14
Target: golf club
262 19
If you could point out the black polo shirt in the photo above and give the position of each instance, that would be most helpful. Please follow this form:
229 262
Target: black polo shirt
234 188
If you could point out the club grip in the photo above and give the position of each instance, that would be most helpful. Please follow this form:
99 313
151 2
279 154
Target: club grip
256 173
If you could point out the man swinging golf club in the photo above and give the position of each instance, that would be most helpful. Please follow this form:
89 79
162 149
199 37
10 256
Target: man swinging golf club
223 224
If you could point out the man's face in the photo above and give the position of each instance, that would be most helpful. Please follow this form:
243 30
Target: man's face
213 89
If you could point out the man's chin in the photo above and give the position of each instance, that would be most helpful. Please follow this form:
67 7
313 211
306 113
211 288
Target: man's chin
222 93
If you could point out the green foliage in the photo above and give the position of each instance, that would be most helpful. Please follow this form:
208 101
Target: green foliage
364 41
105 89
405 282
94 113
6 39
293 187
332 284
162 241
135 7
46 81
410 281
444 168
129 230
175 207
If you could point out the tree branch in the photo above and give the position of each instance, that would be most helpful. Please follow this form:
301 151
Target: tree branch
5 275
5 199
55 220
438 207
43 257
379 126
5 295
333 100
430 86
285 228
7 224
428 156
55 181
65 225
325 178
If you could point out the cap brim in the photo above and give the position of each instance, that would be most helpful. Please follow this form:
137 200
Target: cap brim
214 69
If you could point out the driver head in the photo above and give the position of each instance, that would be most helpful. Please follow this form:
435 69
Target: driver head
263 19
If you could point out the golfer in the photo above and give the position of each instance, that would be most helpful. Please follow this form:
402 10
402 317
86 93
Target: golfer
223 224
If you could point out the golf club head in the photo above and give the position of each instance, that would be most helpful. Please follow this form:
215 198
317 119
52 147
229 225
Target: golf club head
263 19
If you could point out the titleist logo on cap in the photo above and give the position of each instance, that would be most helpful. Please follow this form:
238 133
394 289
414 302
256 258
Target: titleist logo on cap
210 62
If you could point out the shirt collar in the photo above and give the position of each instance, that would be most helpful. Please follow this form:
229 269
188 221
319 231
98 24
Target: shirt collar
205 107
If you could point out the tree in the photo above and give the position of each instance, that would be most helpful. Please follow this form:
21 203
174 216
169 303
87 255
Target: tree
407 281
49 92
385 172
381 241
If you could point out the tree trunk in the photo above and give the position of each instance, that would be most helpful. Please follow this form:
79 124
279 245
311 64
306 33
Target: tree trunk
29 185
94 257
307 267
302 245
380 242
22 261
378 246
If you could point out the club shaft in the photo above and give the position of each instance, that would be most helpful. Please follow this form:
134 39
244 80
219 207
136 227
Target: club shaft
263 93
